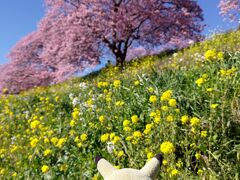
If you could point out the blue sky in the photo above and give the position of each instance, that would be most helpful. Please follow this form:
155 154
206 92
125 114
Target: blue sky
20 17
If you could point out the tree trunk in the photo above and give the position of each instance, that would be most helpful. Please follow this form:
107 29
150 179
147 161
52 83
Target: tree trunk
120 59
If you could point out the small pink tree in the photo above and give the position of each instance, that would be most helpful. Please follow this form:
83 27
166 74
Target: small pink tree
230 9
16 77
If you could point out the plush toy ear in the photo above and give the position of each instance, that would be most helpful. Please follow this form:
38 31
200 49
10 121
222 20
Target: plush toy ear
152 167
104 167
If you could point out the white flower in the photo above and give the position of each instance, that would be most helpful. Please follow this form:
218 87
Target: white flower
93 107
110 147
75 101
175 54
27 114
71 96
83 85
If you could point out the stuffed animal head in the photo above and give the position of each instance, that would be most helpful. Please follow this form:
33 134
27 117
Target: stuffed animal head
148 172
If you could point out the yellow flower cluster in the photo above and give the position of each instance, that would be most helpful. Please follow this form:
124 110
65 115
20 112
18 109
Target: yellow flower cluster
84 137
167 148
134 119
166 95
61 142
213 55
210 54
119 103
148 128
34 124
228 72
117 83
75 113
201 80
153 99
47 152
45 168
34 142
195 121
101 119
103 84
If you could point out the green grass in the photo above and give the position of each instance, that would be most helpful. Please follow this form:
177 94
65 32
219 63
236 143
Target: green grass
57 118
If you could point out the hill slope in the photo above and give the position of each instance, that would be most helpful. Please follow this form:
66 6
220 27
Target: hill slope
189 100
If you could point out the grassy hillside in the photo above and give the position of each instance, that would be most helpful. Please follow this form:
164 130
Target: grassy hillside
185 105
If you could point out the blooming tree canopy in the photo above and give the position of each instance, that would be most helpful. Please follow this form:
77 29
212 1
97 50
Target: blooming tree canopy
230 9
95 27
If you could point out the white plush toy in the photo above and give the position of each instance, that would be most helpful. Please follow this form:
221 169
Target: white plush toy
148 172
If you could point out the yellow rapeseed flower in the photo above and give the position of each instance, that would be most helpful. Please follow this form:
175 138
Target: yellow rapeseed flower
203 133
209 89
167 147
84 137
47 152
45 168
61 142
153 99
184 119
166 95
117 83
2 171
136 83
126 123
172 102
170 118
115 139
153 114
79 145
198 156
34 124
129 138
104 137
149 126
120 103
220 55
199 81
34 142
134 119
164 108
179 164
165 162
151 89
112 135
194 121
214 106
174 172
95 177
120 154
54 140
63 167
200 171
157 119
137 134
72 123
127 129
75 114
101 119
149 155
210 55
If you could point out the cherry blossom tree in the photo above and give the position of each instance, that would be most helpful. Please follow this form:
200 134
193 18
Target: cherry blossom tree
230 9
94 27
